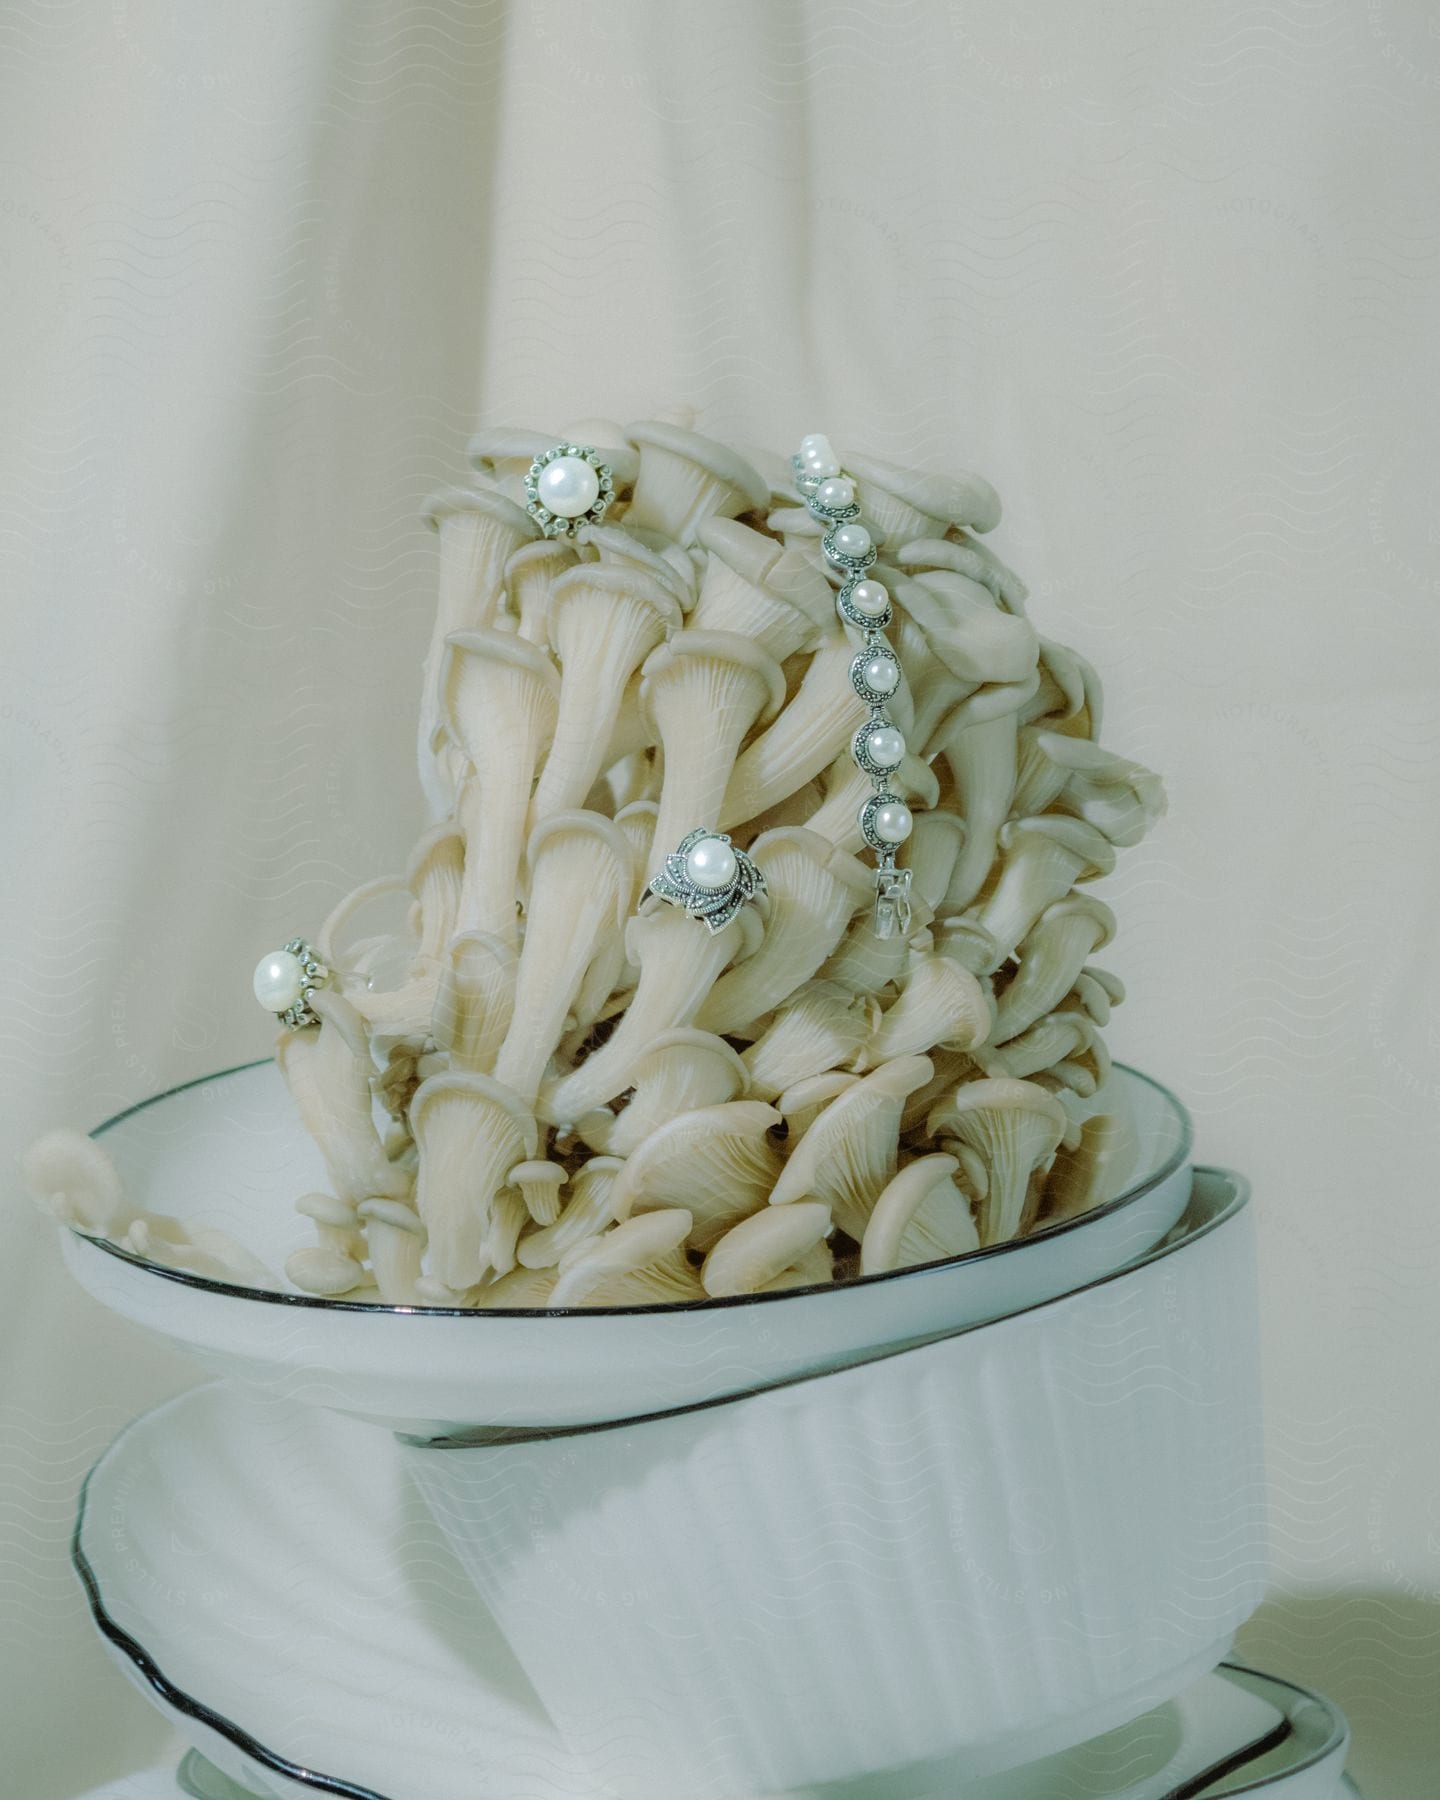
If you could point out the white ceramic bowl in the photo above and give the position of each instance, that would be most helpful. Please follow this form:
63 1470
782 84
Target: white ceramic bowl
271 1581
983 1549
229 1152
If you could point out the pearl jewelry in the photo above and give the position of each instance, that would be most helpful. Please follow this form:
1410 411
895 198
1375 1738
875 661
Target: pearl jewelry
818 458
885 747
892 822
711 865
568 486
881 673
279 980
868 597
815 443
835 493
852 541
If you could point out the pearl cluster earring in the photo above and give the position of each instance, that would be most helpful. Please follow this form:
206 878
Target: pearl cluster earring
286 980
864 604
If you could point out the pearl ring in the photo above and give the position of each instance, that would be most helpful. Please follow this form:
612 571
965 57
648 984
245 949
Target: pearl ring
286 980
568 487
709 877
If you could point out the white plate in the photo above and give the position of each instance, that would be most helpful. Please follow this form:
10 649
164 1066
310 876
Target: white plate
269 1579
229 1152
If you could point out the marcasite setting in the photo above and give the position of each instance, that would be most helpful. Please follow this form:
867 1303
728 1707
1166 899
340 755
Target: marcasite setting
709 877
286 980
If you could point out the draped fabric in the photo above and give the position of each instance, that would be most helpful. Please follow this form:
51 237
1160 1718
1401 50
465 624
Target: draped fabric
1166 275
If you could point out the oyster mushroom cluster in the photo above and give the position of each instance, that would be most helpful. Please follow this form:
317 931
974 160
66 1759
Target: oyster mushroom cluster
528 1091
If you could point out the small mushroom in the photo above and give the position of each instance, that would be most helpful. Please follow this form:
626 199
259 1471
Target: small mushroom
475 999
719 1161
815 890
471 1132
1015 1126
582 880
803 1101
500 695
73 1178
755 1253
396 1240
816 726
703 691
913 503
1052 955
590 1208
679 959
849 1153
328 1072
940 1006
679 1072
530 577
327 1272
964 628
756 587
685 478
921 1216
819 1027
337 1224
1117 796
1043 857
1095 1170
641 1262
604 620
539 1184
478 533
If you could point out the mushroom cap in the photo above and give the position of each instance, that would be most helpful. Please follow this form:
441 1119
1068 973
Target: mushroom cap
72 1177
760 1248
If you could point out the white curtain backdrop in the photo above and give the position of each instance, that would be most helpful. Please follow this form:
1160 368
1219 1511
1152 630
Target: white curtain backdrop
1167 275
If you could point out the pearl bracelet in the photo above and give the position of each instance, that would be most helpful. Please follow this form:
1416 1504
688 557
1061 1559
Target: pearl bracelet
863 603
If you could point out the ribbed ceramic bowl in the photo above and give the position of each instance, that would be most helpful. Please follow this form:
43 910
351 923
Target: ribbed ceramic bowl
229 1152
983 1549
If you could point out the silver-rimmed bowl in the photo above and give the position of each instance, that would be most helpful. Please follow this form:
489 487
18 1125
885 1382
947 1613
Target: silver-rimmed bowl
227 1151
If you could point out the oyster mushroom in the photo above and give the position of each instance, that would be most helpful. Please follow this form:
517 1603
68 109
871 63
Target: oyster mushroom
940 1006
756 587
641 1262
1117 796
500 695
963 627
539 1184
396 1239
1043 857
530 577
679 959
478 533
329 1273
337 1224
522 1289
816 726
921 1216
1096 991
849 1153
1094 1171
819 1028
603 622
979 746
803 1102
755 1253
719 1161
1016 1127
685 478
1069 696
590 1208
582 880
475 1000
471 1132
911 503
703 691
1052 955
328 1072
73 1178
815 890
678 1072
1064 1044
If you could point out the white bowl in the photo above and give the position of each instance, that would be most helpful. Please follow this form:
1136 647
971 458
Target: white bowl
229 1152
271 1581
983 1549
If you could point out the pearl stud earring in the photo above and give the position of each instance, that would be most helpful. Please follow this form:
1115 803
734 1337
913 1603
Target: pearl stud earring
863 604
709 877
568 487
286 980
